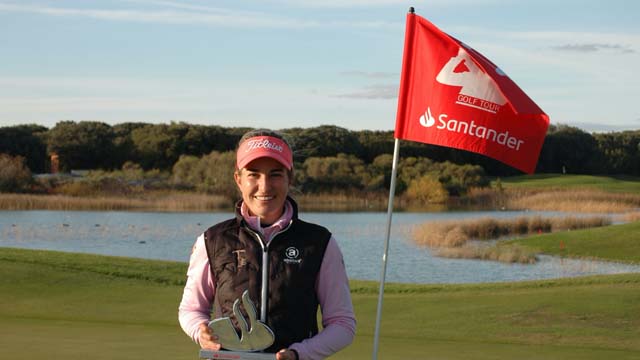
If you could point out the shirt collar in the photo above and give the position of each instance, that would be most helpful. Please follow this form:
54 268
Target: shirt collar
269 231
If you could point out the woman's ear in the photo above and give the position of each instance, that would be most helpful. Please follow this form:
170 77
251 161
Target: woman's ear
236 177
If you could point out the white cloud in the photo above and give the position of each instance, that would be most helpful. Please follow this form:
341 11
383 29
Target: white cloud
190 15
591 48
381 3
370 74
372 92
215 17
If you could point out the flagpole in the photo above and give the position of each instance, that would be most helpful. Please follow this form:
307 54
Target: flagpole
383 274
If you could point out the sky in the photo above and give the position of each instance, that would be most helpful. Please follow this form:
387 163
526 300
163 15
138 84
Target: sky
301 63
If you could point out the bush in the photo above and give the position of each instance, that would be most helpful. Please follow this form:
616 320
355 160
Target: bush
211 173
15 176
333 173
456 179
427 189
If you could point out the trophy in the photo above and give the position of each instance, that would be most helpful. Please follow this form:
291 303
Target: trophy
254 336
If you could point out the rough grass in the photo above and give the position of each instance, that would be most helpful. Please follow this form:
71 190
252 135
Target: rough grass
510 254
554 199
346 201
451 239
459 232
180 201
148 202
579 200
574 193
631 217
51 309
571 193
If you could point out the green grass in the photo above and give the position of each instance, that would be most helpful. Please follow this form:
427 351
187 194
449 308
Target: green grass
76 306
624 184
617 242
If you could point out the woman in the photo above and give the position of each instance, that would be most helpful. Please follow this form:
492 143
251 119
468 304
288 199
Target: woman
289 267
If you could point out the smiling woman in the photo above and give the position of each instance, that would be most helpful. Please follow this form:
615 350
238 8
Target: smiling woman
268 256
263 174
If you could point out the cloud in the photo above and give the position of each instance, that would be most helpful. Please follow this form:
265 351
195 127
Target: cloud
589 48
378 3
373 92
185 14
370 75
213 16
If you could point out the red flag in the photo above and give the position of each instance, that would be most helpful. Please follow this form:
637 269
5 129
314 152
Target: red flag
451 95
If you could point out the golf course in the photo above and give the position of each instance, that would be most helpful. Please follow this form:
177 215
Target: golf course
76 306
61 305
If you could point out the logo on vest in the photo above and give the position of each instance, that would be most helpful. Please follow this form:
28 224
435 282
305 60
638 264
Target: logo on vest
241 258
292 255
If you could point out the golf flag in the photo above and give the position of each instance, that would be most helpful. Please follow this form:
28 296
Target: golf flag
453 96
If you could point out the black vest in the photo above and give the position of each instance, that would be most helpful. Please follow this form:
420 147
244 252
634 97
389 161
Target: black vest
295 255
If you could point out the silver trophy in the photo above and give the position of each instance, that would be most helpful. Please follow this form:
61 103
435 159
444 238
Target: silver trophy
254 336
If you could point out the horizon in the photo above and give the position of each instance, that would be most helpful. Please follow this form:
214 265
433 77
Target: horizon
284 64
169 123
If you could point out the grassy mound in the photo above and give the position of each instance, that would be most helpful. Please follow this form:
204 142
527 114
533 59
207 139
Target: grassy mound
616 243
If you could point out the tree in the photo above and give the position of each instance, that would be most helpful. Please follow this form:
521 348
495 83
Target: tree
375 143
456 179
379 173
333 172
124 148
212 173
621 152
569 148
159 146
27 141
83 145
323 141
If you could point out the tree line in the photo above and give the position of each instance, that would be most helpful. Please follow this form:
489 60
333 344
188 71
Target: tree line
326 157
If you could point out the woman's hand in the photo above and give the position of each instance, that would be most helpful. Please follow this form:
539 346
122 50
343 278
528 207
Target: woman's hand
286 354
208 340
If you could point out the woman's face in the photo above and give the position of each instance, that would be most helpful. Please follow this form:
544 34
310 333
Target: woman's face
264 184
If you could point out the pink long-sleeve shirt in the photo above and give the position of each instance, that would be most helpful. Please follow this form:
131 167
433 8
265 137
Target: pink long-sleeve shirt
332 289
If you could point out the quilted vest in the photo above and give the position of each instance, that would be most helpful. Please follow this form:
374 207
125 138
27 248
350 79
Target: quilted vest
294 257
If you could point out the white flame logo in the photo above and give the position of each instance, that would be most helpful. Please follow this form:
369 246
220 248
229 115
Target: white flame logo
427 120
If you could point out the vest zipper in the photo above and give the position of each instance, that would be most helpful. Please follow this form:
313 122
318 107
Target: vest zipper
265 269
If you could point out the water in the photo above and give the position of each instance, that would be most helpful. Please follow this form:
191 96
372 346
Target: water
170 236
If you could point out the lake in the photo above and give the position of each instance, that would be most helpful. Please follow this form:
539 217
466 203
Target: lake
170 236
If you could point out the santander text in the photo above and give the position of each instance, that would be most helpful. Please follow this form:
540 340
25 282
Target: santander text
482 132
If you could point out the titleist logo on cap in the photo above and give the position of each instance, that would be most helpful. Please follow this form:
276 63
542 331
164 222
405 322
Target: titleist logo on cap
263 143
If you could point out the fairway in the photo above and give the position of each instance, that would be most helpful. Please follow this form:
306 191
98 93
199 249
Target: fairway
622 184
615 243
73 306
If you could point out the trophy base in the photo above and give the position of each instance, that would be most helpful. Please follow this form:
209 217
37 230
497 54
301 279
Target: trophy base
235 355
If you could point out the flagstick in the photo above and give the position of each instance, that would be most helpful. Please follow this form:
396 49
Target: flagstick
392 191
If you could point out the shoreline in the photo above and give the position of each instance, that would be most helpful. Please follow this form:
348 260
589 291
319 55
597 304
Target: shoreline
190 202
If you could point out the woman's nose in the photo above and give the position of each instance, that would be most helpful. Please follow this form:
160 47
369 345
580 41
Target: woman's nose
263 182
